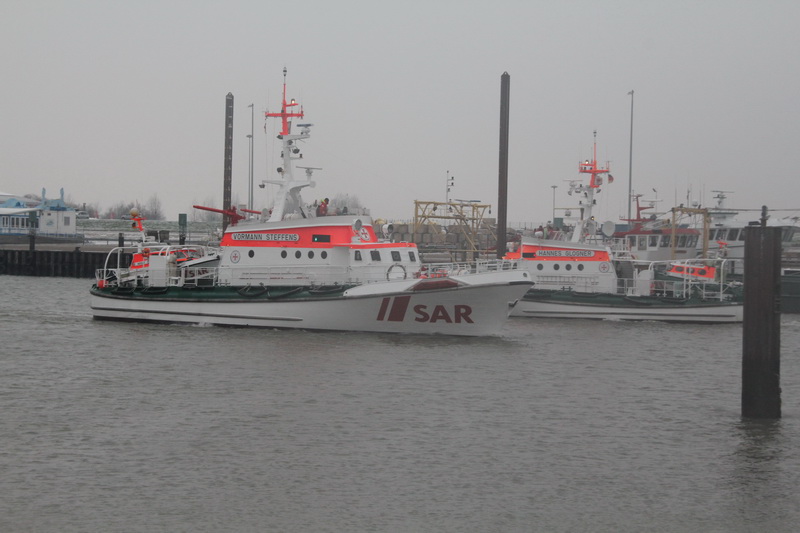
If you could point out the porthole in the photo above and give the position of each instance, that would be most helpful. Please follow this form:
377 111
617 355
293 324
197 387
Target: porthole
284 254
540 266
556 266
324 255
250 254
568 266
298 254
311 254
580 267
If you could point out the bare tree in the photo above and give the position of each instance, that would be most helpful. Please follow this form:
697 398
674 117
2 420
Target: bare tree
120 210
152 209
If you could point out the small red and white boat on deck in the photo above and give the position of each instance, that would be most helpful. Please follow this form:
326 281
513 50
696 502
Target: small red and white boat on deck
289 268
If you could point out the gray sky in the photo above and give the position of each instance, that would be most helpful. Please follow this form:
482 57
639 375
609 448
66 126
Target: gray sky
118 101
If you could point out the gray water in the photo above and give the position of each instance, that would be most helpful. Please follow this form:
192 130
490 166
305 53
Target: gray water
553 426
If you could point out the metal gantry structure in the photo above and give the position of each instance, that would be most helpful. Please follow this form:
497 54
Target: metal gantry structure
466 216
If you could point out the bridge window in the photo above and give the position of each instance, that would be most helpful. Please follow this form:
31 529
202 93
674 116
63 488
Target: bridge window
528 255
653 241
357 256
375 255
412 257
396 256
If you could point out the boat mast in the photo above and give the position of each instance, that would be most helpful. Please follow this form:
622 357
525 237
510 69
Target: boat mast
586 222
288 199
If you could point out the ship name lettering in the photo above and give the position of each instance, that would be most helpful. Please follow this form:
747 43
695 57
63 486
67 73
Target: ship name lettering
266 237
565 253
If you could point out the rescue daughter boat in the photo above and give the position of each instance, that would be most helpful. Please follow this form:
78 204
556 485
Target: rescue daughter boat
288 268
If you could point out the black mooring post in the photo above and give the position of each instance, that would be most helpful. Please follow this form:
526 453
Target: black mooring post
761 346
502 196
228 165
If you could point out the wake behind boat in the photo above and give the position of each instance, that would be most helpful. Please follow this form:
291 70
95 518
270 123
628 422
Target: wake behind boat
289 268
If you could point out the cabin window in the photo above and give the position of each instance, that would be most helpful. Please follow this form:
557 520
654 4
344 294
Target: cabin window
357 255
375 255
643 242
691 241
682 241
653 241
66 221
632 239
320 238
665 241
412 257
741 236
396 256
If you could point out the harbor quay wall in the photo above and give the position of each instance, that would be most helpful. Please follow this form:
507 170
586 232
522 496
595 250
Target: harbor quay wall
75 263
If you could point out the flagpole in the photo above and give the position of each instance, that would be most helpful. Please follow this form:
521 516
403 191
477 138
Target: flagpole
250 169
630 163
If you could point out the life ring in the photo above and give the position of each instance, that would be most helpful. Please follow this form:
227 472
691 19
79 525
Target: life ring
391 268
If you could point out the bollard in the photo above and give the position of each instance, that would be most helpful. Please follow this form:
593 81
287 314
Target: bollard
761 355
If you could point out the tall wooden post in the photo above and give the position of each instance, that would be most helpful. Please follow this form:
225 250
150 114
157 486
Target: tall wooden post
502 196
228 175
761 354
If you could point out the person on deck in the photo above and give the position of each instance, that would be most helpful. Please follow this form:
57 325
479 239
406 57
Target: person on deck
322 208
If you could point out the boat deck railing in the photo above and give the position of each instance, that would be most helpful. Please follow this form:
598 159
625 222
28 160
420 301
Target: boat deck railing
206 276
680 289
